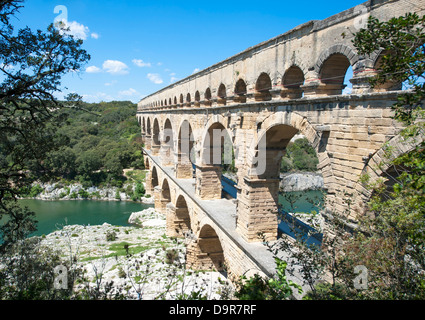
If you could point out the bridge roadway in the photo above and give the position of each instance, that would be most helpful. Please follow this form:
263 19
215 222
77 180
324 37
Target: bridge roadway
223 213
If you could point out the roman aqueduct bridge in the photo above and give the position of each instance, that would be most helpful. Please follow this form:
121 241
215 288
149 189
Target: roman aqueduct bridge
258 100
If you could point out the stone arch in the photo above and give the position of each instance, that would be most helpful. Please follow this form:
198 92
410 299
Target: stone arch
175 100
156 142
216 122
381 160
188 100
148 126
142 123
221 95
207 97
165 190
240 91
332 67
348 52
262 177
181 222
216 149
197 98
185 152
181 98
154 177
167 144
292 81
206 253
387 86
263 86
162 196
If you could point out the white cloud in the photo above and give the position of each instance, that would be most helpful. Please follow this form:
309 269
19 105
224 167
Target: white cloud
78 30
115 67
174 79
155 78
196 70
108 84
97 97
141 63
93 69
129 92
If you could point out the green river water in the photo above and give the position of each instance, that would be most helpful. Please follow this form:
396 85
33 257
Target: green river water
53 215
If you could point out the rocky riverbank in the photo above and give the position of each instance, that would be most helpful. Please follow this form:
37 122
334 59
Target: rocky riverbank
140 261
75 191
301 181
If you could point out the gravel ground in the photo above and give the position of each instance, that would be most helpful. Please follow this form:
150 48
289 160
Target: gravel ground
141 261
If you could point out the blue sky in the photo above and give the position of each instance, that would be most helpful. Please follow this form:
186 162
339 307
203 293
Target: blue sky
139 47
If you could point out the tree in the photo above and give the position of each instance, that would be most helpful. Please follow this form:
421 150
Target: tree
32 64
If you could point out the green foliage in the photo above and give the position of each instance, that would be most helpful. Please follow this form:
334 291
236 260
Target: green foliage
83 194
259 288
111 236
35 190
28 272
300 156
103 139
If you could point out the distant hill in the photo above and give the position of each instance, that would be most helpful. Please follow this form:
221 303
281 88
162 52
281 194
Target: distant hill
99 143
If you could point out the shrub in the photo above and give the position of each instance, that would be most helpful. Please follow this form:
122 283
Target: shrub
111 236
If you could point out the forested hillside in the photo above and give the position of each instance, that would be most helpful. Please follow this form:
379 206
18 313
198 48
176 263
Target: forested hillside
100 141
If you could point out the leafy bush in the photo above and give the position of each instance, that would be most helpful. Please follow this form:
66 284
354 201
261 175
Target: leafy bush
35 190
300 156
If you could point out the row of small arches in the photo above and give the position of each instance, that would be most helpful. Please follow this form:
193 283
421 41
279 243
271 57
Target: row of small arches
293 78
333 72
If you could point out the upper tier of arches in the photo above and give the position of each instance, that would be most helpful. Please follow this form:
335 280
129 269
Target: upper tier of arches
336 69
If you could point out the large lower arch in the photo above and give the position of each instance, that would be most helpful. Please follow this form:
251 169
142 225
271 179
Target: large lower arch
178 219
258 200
380 164
151 179
162 196
217 150
206 253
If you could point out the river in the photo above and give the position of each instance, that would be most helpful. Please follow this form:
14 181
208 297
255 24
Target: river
52 215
